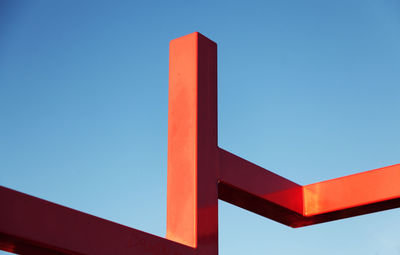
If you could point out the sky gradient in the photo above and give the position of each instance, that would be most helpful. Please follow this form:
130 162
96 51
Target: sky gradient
307 89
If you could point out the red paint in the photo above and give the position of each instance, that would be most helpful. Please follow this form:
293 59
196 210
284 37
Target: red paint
199 173
29 225
352 191
192 197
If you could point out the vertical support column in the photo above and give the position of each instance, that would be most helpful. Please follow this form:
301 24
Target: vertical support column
192 199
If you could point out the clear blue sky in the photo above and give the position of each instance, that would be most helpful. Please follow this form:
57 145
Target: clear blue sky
307 89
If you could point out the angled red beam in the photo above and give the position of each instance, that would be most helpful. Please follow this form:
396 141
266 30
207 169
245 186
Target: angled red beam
263 192
29 225
353 195
374 186
256 189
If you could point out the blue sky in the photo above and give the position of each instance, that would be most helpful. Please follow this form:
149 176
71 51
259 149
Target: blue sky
307 89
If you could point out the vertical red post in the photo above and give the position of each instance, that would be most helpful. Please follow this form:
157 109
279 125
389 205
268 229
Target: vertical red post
192 199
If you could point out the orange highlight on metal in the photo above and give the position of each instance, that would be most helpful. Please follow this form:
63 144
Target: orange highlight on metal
199 173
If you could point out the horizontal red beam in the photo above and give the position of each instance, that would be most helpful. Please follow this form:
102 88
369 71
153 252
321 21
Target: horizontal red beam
29 225
258 190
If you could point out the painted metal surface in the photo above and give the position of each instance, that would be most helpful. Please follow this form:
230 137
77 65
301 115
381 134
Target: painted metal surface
29 225
199 173
192 196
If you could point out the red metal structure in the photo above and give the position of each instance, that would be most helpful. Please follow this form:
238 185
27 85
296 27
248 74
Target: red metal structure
199 173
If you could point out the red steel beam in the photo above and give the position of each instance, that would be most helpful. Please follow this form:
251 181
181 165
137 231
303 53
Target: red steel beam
199 173
265 193
355 190
253 188
353 195
29 225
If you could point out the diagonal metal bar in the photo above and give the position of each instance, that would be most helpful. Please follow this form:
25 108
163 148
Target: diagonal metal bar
362 193
29 225
263 192
253 188
355 190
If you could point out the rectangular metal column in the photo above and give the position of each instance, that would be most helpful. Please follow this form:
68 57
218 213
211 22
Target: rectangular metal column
192 208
